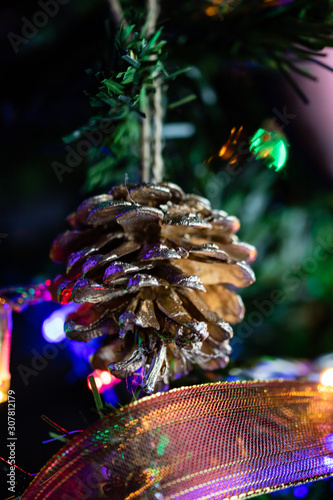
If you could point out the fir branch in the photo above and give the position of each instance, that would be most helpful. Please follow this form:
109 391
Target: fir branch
268 33
126 96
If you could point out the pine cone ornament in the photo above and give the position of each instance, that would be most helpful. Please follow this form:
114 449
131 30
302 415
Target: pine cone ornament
155 272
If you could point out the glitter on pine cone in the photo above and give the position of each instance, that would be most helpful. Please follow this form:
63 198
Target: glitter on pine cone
155 272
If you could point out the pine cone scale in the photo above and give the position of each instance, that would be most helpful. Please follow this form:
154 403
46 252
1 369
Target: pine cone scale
239 274
106 212
94 263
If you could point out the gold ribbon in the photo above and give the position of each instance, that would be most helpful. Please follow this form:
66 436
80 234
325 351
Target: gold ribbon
214 441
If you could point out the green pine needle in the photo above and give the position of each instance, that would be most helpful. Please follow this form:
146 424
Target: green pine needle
185 100
96 394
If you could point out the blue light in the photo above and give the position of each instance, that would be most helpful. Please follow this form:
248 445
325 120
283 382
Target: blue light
111 397
53 326
84 350
301 491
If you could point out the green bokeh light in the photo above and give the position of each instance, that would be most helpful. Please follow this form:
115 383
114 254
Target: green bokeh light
271 147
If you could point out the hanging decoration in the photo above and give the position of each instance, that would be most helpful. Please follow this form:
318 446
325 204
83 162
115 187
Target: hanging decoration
155 271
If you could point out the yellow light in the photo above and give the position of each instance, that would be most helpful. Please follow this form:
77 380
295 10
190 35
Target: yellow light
106 377
210 11
4 388
98 383
327 378
222 150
